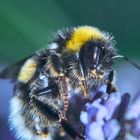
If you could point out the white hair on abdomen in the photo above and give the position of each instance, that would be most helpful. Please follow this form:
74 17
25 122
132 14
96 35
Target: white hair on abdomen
17 123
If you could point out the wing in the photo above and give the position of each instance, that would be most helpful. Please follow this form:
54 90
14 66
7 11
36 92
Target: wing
11 72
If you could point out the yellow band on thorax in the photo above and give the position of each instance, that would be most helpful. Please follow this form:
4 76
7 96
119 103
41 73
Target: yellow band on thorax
81 35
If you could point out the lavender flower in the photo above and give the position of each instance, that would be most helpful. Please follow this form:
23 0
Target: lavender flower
109 118
133 118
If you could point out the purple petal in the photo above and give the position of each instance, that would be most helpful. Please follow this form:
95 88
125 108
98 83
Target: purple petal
130 137
135 129
102 111
84 118
134 110
111 129
111 104
94 132
102 88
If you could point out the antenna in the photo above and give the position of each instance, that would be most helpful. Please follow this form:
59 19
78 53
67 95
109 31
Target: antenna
128 60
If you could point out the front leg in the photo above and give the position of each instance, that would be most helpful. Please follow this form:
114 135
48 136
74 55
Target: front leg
71 130
110 86
63 88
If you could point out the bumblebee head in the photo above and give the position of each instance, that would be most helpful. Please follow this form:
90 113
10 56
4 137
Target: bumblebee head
92 47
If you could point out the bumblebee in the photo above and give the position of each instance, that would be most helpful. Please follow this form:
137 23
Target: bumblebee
77 60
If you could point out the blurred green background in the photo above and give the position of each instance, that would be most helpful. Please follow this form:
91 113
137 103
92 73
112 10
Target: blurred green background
27 25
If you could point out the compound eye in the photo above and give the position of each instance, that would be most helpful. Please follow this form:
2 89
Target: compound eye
94 55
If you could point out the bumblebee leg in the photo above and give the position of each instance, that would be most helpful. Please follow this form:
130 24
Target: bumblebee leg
82 130
67 126
84 88
64 94
70 130
110 86
83 81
